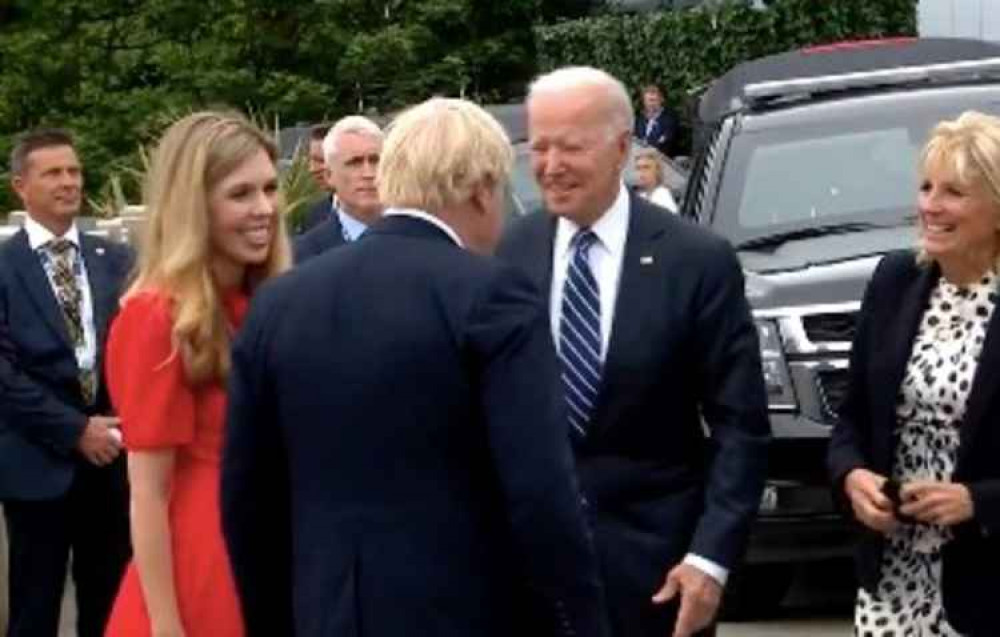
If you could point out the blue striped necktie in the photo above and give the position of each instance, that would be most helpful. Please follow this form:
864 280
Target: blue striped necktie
580 335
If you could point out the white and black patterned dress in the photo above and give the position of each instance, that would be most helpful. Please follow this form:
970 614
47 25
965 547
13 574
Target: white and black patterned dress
929 412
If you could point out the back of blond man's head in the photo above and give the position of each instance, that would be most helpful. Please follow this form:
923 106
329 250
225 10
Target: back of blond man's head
438 152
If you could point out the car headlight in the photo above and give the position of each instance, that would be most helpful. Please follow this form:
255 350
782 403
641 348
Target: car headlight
780 394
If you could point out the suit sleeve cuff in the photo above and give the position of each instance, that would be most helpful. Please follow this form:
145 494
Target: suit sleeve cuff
708 567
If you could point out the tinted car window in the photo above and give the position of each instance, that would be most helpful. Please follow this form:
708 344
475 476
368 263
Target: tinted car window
860 169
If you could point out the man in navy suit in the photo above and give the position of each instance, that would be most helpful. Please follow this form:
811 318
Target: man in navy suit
352 149
655 342
656 125
322 208
428 488
62 474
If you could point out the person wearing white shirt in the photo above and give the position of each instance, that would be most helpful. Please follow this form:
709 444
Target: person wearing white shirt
656 344
649 179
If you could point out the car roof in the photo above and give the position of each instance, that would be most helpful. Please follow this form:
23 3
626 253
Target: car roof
866 105
726 93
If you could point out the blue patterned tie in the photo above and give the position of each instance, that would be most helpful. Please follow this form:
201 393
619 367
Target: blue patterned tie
580 335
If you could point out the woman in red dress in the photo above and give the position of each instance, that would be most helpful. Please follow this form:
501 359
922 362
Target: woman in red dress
214 231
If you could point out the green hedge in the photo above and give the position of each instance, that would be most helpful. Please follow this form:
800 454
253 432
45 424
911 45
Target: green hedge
684 50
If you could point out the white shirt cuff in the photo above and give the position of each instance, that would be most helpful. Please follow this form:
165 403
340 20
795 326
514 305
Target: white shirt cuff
708 567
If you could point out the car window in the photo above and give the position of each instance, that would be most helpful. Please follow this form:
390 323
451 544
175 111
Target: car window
862 167
853 173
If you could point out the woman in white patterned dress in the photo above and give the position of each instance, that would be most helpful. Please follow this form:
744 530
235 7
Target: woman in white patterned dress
916 453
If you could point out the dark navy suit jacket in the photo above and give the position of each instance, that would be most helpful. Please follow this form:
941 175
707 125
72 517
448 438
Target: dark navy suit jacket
683 347
662 135
397 459
318 212
893 307
42 415
328 234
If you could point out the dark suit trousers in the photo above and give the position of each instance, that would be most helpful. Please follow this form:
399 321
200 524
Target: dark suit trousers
90 522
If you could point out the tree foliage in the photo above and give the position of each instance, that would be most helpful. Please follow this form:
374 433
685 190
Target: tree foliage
115 71
683 51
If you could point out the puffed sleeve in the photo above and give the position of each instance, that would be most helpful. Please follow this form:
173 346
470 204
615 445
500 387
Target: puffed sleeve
146 377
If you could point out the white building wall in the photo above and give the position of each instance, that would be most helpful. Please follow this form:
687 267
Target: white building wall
978 19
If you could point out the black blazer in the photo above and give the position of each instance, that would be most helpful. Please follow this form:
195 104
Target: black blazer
683 346
328 234
397 459
42 415
893 306
662 135
321 210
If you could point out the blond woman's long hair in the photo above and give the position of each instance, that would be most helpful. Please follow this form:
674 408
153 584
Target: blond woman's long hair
967 148
175 253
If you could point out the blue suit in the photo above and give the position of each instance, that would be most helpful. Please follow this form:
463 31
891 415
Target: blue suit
328 234
661 134
54 498
426 488
683 351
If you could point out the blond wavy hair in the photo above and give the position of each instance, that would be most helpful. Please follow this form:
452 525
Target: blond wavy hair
967 148
175 253
438 152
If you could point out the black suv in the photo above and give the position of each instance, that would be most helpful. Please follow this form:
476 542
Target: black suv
807 163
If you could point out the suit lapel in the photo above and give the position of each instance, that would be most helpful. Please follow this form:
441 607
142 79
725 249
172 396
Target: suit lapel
906 315
983 389
29 268
636 286
102 290
538 262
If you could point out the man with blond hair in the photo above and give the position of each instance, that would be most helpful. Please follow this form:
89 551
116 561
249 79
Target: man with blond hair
428 488
655 342
351 148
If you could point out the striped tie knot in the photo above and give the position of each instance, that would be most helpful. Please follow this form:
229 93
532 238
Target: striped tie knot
584 240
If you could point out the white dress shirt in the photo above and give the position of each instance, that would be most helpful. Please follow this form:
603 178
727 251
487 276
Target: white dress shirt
662 197
38 237
605 257
429 218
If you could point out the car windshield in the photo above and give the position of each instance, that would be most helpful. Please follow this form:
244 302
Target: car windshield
848 173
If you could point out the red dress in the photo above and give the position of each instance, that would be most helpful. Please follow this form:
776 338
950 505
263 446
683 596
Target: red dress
159 409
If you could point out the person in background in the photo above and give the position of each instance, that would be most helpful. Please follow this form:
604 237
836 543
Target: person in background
914 453
62 476
214 233
649 179
352 148
427 488
656 125
656 345
323 208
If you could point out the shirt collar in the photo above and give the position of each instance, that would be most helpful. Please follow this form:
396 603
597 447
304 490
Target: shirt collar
429 218
611 228
39 235
352 227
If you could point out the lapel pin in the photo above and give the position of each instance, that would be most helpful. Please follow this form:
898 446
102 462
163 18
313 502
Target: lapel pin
646 260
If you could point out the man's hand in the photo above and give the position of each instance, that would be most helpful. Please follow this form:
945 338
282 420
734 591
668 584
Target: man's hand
100 443
944 503
700 598
871 507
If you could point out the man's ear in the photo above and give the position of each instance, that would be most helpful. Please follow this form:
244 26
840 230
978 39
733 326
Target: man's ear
482 196
17 183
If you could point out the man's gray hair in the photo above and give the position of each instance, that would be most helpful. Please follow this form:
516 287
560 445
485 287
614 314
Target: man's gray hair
351 124
574 77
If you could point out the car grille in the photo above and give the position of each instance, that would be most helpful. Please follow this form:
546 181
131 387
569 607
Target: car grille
830 327
832 385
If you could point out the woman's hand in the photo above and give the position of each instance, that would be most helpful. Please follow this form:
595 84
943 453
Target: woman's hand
871 507
942 503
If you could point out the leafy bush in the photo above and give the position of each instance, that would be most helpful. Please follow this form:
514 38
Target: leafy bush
683 51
